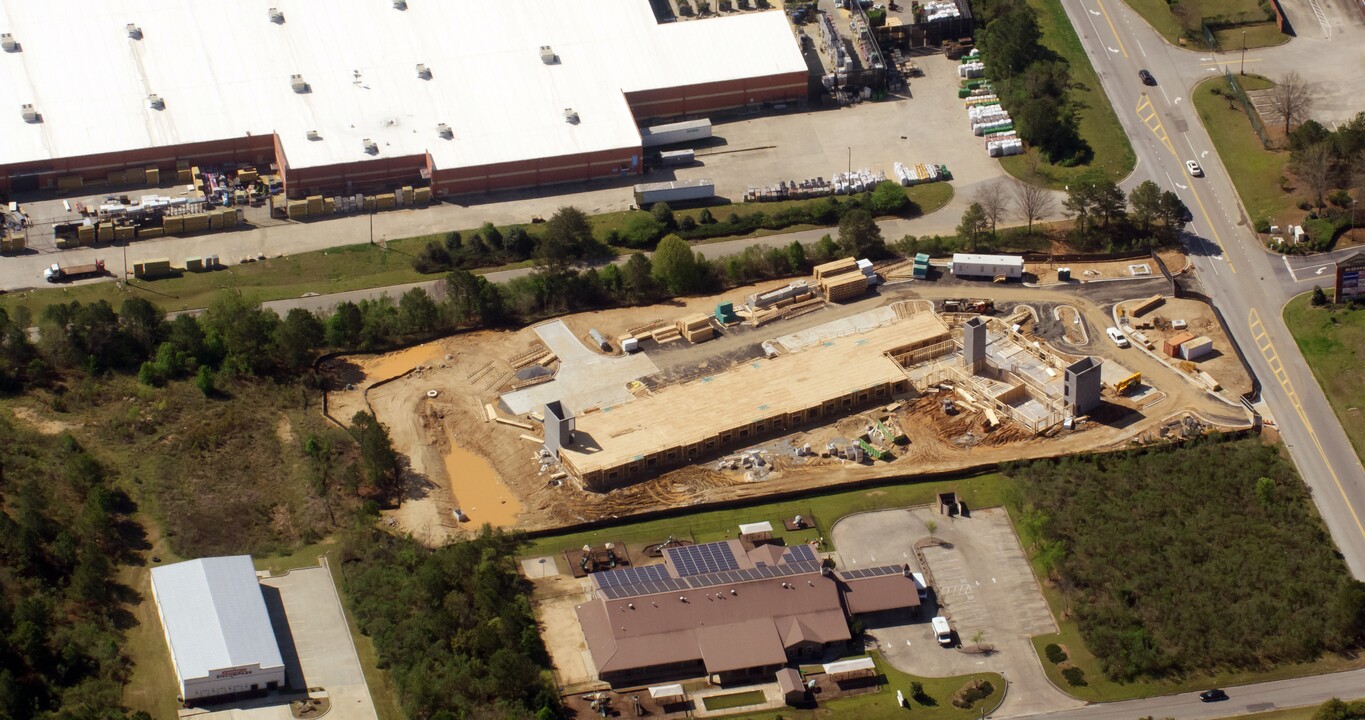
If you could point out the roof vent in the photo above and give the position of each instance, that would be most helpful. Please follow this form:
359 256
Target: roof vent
8 43
297 82
400 4
423 71
371 146
571 116
444 131
30 114
155 102
313 135
548 56
134 31
276 16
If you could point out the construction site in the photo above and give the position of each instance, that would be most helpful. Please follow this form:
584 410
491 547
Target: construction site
762 389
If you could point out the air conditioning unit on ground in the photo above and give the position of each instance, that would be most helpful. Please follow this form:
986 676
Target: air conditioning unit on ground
30 113
297 82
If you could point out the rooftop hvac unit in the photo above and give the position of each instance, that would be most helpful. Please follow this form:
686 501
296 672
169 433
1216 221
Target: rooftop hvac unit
155 102
423 71
30 113
371 146
313 135
444 131
547 55
296 82
400 4
571 116
134 31
7 42
276 16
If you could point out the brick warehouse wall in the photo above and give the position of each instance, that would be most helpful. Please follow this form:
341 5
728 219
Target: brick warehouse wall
712 97
249 149
539 171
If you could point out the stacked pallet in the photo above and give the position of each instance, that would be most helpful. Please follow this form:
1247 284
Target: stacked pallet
835 267
696 328
844 286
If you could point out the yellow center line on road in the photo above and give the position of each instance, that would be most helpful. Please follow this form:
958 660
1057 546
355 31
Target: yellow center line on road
1153 123
1122 49
1258 333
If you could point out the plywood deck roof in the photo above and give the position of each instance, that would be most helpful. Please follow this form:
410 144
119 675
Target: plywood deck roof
679 415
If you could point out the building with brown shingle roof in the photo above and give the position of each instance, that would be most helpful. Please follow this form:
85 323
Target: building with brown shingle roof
729 610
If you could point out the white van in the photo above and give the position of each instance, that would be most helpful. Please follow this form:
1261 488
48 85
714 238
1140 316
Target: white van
1117 336
921 587
943 632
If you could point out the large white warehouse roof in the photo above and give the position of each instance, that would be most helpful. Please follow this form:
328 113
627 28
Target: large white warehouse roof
223 70
214 615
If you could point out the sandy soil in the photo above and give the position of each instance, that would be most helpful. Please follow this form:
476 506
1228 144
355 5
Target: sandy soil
43 425
1046 273
490 470
1222 363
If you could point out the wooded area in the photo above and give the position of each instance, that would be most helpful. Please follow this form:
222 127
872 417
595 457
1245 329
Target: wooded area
63 532
452 625
1196 558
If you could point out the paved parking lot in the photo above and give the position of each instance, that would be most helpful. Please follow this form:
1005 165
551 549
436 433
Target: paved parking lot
317 649
982 584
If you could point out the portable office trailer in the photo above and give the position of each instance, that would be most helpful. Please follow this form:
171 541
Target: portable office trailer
675 191
675 133
974 265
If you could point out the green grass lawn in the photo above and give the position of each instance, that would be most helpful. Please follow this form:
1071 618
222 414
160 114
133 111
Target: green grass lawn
1099 126
1158 14
882 705
1333 343
1254 170
1257 36
981 491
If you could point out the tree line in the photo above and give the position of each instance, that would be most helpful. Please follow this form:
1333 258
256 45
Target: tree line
1329 164
1032 81
64 531
453 625
1180 560
568 236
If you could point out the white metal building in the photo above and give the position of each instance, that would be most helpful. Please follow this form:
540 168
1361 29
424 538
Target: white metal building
217 627
974 265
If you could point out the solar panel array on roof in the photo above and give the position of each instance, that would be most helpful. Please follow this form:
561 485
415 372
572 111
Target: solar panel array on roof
615 590
799 553
705 558
871 572
632 575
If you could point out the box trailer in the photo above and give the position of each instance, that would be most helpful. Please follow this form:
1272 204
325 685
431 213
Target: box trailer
674 133
672 192
974 265
676 158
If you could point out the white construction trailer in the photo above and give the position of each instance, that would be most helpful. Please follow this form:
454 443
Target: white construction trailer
991 266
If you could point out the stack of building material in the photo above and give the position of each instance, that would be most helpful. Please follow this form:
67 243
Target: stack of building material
1144 306
159 267
1196 348
921 265
667 333
844 286
835 267
1172 344
696 328
781 297
725 313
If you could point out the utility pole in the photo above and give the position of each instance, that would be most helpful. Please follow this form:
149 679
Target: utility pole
850 162
1244 53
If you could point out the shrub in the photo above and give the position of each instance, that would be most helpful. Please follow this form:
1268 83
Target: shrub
687 223
1340 198
972 693
1319 297
1263 225
888 198
1055 654
1075 677
641 229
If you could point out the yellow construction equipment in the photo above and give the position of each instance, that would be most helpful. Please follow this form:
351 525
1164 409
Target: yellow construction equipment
1123 386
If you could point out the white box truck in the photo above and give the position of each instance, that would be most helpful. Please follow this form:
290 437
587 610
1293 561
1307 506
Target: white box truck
943 632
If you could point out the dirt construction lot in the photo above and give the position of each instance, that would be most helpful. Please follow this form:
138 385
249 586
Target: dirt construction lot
982 583
467 449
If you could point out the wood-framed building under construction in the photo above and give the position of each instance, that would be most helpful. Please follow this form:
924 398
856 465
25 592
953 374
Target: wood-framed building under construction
684 423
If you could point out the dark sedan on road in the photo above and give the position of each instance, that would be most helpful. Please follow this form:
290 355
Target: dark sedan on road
1214 695
1147 78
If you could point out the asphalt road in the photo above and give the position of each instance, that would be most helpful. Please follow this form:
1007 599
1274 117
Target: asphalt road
1232 266
1248 699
